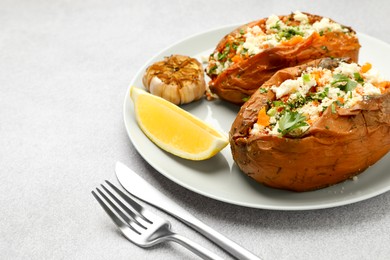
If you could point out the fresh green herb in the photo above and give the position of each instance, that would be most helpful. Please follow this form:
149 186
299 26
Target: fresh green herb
327 127
245 99
291 120
337 78
277 103
343 82
323 94
244 51
306 77
276 26
242 31
271 111
213 69
339 103
333 108
319 95
358 77
298 102
289 32
351 85
324 48
224 54
263 90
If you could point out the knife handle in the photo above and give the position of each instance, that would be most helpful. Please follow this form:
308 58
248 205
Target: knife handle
228 245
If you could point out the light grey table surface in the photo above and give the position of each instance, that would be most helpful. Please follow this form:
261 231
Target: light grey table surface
65 67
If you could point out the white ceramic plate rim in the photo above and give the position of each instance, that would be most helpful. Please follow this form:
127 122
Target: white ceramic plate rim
219 178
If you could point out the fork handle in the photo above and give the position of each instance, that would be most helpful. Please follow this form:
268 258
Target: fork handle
193 247
169 206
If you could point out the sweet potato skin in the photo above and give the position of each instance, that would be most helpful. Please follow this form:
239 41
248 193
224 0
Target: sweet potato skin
337 147
242 79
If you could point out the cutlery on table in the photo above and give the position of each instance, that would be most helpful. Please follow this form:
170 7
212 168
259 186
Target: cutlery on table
141 226
141 189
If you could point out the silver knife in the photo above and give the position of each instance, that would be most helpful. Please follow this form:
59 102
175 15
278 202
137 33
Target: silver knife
141 189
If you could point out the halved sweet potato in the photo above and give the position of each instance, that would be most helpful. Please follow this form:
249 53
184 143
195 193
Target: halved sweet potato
236 72
339 144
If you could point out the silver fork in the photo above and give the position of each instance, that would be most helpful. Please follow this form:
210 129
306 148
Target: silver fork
140 226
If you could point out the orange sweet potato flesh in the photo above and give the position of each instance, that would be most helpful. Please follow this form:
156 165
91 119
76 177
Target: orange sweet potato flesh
241 80
338 146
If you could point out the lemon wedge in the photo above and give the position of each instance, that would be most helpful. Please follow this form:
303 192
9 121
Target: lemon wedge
174 129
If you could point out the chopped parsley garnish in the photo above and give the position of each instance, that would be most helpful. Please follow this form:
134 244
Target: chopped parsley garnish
277 103
298 102
324 48
290 121
235 45
213 69
289 32
306 77
244 51
333 108
263 90
224 54
276 26
245 99
320 95
358 77
343 82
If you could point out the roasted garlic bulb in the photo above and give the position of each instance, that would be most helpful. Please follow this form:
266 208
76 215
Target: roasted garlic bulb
178 79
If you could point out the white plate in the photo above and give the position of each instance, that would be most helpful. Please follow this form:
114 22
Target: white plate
219 177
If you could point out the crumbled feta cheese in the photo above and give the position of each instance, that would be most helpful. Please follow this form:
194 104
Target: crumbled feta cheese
298 16
285 88
256 29
326 77
371 90
274 130
222 66
269 42
351 101
256 129
373 76
252 44
326 25
204 58
306 85
310 110
271 21
334 93
348 69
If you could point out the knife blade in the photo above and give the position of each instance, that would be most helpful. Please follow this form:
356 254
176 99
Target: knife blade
144 191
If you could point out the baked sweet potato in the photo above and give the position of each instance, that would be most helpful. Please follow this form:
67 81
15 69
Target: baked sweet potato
313 125
248 56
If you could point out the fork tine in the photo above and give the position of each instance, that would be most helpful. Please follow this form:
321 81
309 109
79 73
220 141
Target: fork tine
137 207
131 213
119 221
